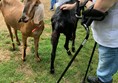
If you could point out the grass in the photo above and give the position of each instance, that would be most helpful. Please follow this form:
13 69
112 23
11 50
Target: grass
12 69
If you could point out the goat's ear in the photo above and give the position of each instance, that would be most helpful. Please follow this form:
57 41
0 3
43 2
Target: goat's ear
39 14
1 2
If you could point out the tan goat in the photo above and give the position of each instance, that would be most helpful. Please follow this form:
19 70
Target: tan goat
12 11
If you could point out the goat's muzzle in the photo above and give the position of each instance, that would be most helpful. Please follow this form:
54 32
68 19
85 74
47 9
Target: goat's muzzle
24 18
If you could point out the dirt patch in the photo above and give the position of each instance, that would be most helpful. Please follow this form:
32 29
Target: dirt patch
48 13
25 68
2 23
5 56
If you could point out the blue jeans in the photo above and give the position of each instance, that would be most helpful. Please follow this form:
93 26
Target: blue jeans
52 4
108 63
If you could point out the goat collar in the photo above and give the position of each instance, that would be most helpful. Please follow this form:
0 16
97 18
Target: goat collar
36 28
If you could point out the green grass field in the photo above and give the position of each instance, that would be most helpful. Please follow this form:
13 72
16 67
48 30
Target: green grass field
12 69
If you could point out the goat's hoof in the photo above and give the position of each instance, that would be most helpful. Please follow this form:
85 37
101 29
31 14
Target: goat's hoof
18 43
38 59
73 49
69 53
23 59
13 49
52 71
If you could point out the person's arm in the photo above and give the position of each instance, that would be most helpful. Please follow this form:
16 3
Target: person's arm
71 6
99 10
68 6
101 5
104 5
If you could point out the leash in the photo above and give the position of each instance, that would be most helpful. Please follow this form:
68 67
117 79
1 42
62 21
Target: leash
95 44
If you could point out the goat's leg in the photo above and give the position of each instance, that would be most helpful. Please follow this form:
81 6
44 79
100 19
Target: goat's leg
66 46
24 40
17 39
73 42
74 36
54 41
36 41
11 35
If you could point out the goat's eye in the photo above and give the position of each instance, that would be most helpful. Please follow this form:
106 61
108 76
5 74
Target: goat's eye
36 4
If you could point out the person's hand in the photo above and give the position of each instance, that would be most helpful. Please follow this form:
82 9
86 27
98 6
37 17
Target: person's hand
67 6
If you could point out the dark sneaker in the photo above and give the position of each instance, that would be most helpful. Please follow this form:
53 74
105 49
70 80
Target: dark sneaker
51 9
93 80
96 80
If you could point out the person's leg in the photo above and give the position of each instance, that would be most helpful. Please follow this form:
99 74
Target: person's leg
52 4
108 63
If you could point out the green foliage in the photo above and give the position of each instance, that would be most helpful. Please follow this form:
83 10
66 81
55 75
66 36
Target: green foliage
14 70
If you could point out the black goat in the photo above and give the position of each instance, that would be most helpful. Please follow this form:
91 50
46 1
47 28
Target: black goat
63 21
